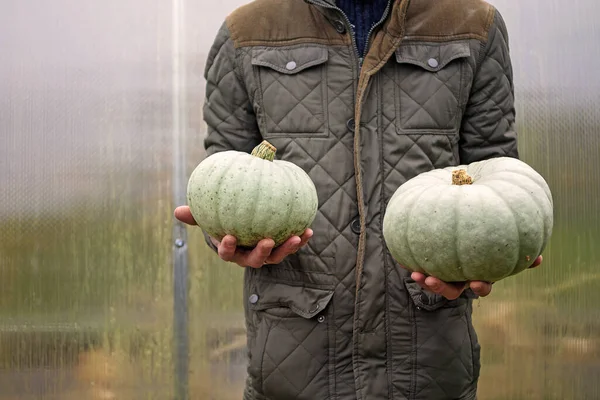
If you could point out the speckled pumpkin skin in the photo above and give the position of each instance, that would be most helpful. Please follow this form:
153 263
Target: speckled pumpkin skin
488 230
251 198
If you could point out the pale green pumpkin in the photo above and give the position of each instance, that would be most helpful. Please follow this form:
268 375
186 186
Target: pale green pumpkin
484 221
251 196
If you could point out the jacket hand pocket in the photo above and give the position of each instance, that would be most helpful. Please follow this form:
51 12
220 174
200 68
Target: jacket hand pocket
430 301
290 351
444 328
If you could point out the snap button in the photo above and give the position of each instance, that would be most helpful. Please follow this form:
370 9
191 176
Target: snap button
432 62
350 124
321 318
253 298
355 226
339 26
291 65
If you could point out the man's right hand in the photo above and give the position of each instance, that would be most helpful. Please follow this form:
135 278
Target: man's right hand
263 253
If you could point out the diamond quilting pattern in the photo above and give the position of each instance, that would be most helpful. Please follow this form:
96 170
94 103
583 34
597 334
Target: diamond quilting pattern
424 94
292 342
293 103
305 114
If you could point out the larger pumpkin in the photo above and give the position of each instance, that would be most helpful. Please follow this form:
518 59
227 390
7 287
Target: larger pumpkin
483 221
251 196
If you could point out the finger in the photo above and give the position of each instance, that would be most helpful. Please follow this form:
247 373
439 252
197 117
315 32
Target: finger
304 238
419 278
257 257
537 262
450 291
215 242
288 247
227 248
183 214
481 288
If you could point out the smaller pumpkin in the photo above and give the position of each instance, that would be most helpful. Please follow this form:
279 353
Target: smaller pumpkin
484 221
251 196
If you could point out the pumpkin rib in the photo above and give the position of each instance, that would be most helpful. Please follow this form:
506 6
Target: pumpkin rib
409 218
540 209
534 198
241 211
510 209
249 171
535 178
219 201
313 205
257 191
390 224
456 241
291 202
217 214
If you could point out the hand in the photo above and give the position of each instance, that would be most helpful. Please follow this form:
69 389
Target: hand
263 253
452 290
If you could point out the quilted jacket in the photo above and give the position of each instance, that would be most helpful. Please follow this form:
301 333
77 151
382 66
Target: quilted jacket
340 319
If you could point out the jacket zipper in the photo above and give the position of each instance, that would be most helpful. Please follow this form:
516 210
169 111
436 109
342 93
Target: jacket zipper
324 4
359 56
375 26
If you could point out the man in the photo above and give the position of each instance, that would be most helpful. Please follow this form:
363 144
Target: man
363 95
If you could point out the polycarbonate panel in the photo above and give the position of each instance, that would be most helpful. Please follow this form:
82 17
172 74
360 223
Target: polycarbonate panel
540 331
92 98
217 331
86 298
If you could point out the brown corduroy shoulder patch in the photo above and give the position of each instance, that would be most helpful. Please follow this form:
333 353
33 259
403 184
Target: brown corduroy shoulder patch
281 23
441 20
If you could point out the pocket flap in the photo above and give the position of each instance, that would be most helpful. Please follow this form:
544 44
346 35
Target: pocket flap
304 301
432 57
430 301
289 60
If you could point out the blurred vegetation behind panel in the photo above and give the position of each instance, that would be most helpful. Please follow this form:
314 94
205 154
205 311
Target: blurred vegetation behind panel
86 199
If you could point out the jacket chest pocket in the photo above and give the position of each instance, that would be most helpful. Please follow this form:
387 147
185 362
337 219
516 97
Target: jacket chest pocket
291 90
289 348
431 87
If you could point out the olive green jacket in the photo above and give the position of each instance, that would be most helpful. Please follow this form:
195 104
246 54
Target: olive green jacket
339 319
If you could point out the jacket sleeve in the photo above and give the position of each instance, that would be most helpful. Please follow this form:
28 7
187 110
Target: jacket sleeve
488 126
227 111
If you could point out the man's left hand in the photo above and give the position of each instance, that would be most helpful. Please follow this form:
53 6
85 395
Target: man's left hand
452 290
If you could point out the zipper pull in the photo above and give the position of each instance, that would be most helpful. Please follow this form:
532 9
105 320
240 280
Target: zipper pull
360 62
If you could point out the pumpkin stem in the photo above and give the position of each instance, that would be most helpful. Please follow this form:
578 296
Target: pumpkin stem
265 150
460 177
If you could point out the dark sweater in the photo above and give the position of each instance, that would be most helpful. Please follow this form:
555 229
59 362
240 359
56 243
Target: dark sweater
363 14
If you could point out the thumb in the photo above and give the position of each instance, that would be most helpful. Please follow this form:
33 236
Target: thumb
183 214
